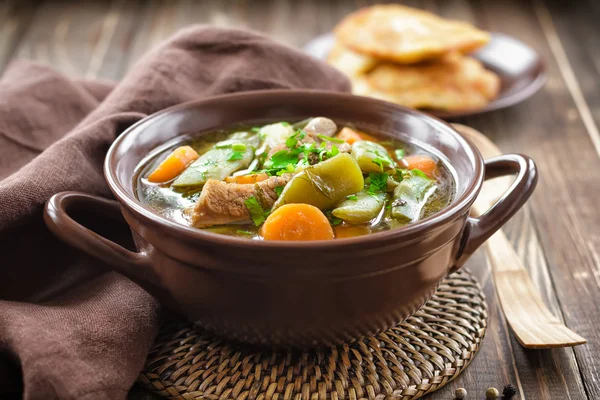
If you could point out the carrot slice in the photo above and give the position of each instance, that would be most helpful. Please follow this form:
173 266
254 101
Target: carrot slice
173 165
348 231
422 162
297 222
252 178
370 138
349 135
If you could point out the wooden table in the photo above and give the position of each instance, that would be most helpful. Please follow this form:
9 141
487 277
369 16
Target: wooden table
558 234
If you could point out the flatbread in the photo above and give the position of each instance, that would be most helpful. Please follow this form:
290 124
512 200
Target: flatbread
406 35
453 83
350 62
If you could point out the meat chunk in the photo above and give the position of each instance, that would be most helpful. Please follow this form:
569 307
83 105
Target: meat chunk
320 126
223 203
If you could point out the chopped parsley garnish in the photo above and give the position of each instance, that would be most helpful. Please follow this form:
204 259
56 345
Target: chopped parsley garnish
382 161
256 211
399 153
255 129
352 197
237 150
278 190
330 139
235 155
284 123
298 154
292 141
333 220
377 182
289 169
282 159
333 152
238 147
418 172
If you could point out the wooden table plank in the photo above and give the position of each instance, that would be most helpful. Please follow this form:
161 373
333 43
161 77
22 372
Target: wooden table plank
548 128
557 363
81 39
573 34
15 17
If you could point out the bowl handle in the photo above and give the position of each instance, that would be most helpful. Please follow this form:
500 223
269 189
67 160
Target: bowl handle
479 229
56 215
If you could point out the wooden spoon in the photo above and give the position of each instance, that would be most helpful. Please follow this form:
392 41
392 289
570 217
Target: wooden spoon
532 323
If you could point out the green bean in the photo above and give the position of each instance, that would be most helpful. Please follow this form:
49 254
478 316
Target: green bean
325 184
361 208
372 157
222 160
410 197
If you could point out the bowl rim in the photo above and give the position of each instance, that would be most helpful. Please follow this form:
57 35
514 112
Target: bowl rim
455 209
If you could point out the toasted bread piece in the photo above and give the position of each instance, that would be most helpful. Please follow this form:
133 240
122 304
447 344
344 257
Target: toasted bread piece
452 83
406 35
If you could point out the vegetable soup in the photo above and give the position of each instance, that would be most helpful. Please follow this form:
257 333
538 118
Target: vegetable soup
308 180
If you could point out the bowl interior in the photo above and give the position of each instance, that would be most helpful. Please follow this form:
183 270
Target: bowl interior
370 115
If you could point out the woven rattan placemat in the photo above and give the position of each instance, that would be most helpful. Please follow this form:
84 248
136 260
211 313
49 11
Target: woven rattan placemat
416 357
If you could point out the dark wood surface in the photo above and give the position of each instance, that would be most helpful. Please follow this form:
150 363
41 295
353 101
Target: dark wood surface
558 234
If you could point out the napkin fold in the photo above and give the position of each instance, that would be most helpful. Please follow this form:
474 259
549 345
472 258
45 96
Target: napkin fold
70 328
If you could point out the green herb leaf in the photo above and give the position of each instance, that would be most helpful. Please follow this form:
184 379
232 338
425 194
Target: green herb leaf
399 153
284 123
255 129
238 147
256 211
235 155
244 232
377 182
289 169
352 197
418 172
330 139
382 161
400 174
282 159
278 190
313 149
333 152
291 142
379 162
332 219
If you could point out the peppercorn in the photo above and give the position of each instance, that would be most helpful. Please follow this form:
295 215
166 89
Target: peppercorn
460 393
492 394
509 391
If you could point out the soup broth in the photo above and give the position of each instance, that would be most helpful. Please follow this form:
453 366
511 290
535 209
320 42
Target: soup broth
308 180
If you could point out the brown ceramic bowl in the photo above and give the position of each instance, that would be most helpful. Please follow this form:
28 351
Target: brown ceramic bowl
293 293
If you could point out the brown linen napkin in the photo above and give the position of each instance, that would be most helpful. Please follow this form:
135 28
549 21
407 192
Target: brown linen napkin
69 329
